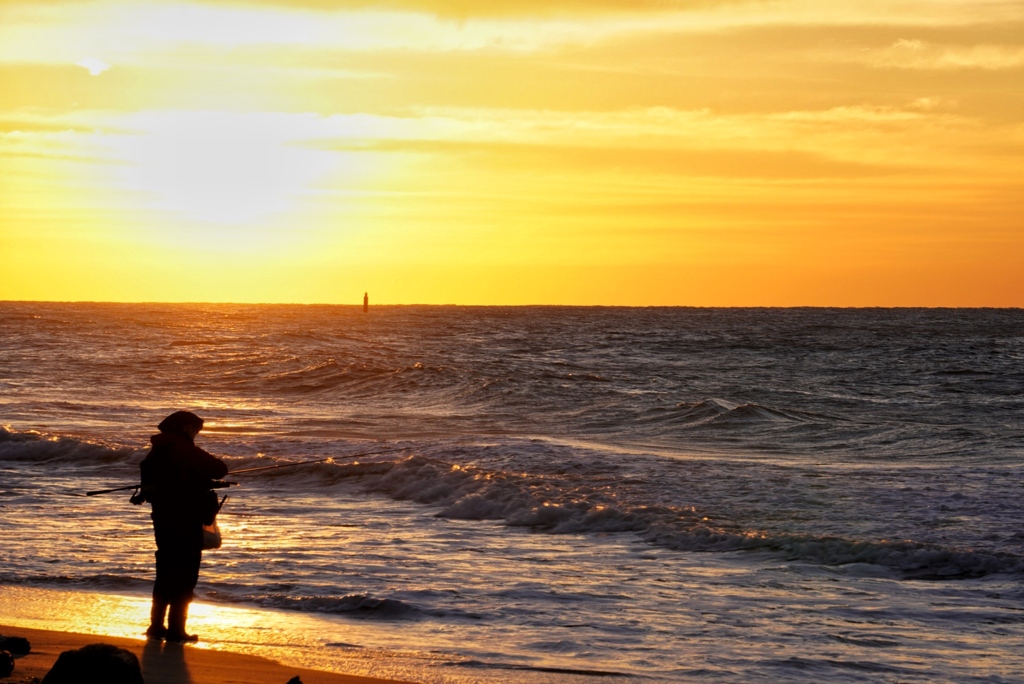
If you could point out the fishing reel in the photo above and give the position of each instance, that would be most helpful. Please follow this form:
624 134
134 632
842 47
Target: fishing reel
141 495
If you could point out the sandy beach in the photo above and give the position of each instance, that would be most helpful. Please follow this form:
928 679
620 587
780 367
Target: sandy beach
169 663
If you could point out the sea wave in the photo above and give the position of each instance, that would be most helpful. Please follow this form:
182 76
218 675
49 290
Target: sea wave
103 581
350 605
721 412
586 496
39 448
563 504
352 376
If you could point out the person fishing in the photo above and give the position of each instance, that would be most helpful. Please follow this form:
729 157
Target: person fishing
177 480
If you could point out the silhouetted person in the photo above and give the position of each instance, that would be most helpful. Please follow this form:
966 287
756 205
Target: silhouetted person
177 477
366 302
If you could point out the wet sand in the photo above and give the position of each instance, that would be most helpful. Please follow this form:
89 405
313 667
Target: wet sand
169 663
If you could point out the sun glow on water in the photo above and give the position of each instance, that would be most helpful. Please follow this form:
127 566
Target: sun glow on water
220 626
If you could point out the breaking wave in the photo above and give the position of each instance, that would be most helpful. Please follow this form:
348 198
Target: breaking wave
38 448
564 504
585 497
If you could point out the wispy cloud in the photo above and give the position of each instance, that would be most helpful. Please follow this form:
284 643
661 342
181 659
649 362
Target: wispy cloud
919 54
128 33
835 141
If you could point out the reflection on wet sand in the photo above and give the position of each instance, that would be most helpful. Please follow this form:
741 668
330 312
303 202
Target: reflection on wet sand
164 662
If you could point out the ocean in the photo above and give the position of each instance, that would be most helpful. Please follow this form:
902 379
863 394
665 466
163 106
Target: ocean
539 494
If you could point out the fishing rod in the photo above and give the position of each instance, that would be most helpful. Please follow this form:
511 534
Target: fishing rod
220 483
217 484
115 489
282 465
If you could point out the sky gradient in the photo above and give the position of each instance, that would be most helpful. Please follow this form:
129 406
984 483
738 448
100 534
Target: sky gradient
648 152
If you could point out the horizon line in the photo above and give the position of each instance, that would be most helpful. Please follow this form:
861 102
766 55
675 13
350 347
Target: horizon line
522 306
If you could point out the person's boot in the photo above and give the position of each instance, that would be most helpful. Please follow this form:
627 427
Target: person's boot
176 624
156 620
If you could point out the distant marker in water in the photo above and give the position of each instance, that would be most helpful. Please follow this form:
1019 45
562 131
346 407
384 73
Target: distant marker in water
366 302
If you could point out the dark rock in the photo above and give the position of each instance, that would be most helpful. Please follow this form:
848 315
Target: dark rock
6 664
95 663
295 680
15 645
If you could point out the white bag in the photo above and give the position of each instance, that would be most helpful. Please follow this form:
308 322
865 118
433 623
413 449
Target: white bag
211 536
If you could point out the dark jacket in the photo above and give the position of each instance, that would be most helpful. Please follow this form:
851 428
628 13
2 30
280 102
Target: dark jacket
176 477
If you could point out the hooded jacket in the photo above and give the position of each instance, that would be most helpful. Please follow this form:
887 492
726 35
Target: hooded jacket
177 475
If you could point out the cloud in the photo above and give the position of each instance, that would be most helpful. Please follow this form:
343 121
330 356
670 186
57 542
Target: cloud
132 33
698 163
840 142
93 66
498 8
918 54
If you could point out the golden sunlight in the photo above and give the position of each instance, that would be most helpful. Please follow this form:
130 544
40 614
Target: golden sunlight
608 152
221 168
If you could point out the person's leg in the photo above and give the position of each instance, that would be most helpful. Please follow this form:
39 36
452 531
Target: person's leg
156 628
176 619
165 543
179 553
186 576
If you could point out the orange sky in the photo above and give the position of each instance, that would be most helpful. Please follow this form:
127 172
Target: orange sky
685 152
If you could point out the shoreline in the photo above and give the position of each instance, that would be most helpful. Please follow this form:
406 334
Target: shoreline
299 642
171 663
